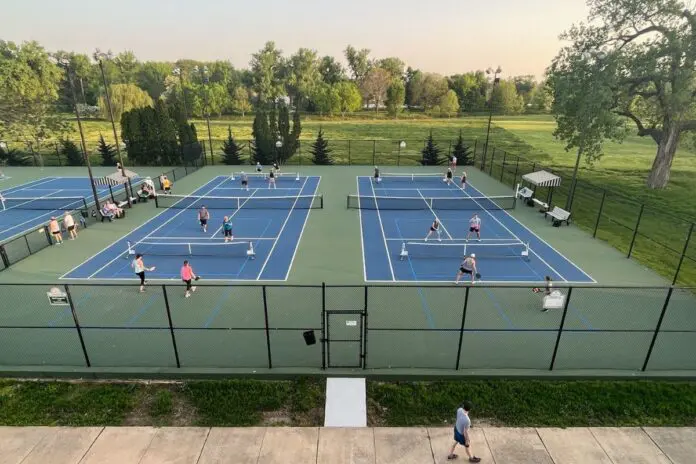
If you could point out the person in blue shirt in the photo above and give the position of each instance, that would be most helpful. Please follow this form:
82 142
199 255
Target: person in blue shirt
227 229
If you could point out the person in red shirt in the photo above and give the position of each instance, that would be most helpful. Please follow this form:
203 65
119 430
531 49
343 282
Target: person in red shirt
187 275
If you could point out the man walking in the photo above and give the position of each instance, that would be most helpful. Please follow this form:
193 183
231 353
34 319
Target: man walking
461 433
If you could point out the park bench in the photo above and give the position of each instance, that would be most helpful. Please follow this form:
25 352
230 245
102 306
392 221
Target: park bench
558 216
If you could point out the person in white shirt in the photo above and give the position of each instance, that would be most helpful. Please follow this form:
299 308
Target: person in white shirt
474 227
69 224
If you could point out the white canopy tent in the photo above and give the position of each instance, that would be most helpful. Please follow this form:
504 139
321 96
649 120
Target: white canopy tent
543 179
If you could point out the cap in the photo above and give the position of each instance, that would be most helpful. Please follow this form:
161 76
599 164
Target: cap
473 255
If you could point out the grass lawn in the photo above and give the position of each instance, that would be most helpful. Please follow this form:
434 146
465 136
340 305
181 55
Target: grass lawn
301 403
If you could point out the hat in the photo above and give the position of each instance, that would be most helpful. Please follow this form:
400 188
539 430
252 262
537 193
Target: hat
473 255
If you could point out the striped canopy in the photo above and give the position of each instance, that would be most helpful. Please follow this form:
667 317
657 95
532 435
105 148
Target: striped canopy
116 178
542 179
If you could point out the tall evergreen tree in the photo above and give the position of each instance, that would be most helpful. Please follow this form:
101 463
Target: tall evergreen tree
71 152
321 153
231 149
463 152
431 153
264 143
107 152
169 153
12 157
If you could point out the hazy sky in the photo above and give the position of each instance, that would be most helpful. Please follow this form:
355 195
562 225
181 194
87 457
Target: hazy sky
445 36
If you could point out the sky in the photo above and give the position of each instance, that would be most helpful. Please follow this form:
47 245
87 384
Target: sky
443 36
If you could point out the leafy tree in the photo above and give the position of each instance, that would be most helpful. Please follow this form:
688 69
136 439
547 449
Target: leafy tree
168 150
107 152
124 97
431 153
128 65
289 137
151 77
463 152
643 72
471 89
448 104
349 97
414 86
394 66
358 62
541 98
331 70
374 86
302 74
325 99
71 153
264 143
231 149
266 70
524 86
396 94
321 153
240 100
12 157
505 99
433 87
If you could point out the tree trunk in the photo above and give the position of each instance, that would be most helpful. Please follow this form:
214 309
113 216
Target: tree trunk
662 165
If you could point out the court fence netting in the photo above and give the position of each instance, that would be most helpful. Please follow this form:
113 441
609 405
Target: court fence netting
37 238
373 329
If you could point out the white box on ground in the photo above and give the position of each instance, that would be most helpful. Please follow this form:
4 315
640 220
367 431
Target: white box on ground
345 403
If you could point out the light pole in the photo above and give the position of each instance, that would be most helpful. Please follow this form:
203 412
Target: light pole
278 145
99 56
178 72
65 63
496 80
204 76
402 144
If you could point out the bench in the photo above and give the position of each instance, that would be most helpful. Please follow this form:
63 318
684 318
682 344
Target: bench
558 216
543 207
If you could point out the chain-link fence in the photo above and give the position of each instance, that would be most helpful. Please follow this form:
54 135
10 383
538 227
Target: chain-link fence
376 327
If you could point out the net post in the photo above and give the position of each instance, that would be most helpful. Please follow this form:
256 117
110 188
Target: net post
5 258
266 328
560 328
599 214
321 201
77 325
657 328
297 176
323 325
365 329
635 231
461 328
171 325
683 255
156 202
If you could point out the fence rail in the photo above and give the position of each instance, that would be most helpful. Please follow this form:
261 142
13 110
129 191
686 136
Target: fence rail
378 327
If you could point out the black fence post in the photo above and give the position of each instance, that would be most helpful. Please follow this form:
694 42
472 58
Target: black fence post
461 328
268 332
77 326
657 328
323 326
374 151
473 160
171 325
635 231
60 162
502 170
517 169
349 152
365 330
599 214
5 258
683 255
111 194
490 171
48 237
560 328
534 166
299 149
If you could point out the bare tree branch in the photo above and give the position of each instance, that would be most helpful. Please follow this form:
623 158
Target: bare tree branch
654 133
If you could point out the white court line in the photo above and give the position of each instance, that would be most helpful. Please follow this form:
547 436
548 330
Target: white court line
435 215
174 279
270 253
207 239
151 232
381 226
484 283
463 240
299 239
362 240
230 216
129 233
26 185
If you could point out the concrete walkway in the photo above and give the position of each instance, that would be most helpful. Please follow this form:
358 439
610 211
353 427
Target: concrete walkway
417 445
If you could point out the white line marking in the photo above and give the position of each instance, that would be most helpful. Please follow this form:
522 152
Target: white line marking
435 215
230 216
362 241
381 226
299 239
204 239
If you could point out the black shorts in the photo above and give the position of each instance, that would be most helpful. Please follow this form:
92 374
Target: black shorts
432 229
245 182
188 284
463 180
57 232
204 222
466 271
228 233
142 277
258 169
474 229
449 175
71 228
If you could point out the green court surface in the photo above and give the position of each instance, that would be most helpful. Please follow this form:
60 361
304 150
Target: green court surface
608 328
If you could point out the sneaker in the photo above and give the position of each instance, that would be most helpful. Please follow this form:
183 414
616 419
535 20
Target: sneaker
544 310
439 239
187 295
474 459
452 456
193 289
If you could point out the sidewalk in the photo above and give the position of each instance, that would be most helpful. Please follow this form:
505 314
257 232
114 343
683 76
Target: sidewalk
417 445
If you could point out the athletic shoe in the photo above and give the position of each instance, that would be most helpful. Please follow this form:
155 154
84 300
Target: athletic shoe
452 456
187 295
193 289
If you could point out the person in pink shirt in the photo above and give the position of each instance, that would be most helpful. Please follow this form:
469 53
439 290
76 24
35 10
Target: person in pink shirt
187 275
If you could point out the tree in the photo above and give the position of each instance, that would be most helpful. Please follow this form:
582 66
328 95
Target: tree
264 143
71 153
167 146
374 86
128 65
325 99
505 99
394 66
124 97
107 152
349 97
448 104
462 152
524 86
151 77
431 153
414 86
471 90
302 74
358 62
266 70
331 70
643 73
541 98
240 100
321 153
433 87
12 157
396 94
231 149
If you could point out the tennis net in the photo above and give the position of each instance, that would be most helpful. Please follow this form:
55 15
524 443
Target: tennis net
225 250
294 176
424 250
45 203
230 203
405 177
416 203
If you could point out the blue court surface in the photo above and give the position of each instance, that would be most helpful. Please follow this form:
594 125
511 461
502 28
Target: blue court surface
32 204
395 217
268 221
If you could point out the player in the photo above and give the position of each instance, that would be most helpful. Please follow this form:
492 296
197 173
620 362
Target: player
2 201
139 268
448 176
272 179
187 275
227 229
377 178
203 216
259 168
166 185
454 163
474 227
434 229
70 225
463 180
245 181
54 228
467 266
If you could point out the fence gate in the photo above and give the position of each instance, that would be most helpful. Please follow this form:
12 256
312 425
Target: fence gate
344 338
